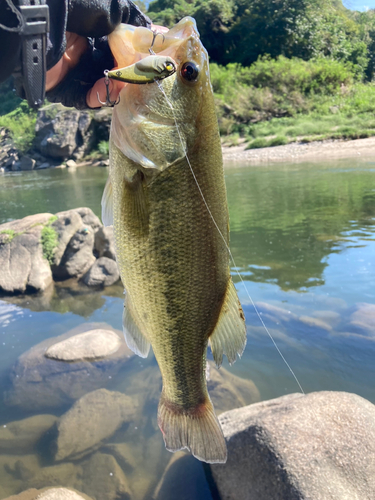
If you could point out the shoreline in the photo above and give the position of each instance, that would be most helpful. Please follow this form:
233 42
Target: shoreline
299 152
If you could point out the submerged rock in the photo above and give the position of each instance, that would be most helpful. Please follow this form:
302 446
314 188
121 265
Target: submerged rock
103 478
319 446
50 494
38 382
227 391
92 419
61 494
88 346
21 436
183 479
363 320
16 471
66 474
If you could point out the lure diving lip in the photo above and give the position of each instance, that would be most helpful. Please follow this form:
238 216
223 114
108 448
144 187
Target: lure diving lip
148 70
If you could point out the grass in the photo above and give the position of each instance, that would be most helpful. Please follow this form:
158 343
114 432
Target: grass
11 234
307 128
21 126
49 242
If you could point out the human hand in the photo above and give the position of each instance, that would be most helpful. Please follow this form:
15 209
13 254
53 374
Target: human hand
76 46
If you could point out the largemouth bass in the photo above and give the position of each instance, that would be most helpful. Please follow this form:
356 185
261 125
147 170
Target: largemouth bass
171 237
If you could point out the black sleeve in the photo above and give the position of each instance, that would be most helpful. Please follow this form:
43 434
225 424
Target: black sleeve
93 19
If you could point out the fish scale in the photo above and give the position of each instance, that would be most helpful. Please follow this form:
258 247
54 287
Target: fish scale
171 250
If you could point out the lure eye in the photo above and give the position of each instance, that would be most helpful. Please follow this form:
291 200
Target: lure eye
189 71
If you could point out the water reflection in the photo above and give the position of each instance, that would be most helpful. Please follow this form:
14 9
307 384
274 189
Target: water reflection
285 222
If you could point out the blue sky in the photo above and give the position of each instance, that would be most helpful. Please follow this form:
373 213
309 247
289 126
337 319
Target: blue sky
359 4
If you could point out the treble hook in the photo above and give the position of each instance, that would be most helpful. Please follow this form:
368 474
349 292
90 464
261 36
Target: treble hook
108 102
154 36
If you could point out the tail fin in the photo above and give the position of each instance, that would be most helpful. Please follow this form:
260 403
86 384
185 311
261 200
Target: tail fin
198 430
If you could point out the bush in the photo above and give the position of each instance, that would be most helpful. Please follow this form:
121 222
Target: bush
21 126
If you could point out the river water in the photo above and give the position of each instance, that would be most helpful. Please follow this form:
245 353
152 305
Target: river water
303 241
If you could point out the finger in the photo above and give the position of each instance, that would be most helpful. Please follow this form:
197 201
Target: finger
159 29
76 46
100 89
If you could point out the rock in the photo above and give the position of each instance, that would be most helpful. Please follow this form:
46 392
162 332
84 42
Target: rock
61 494
71 164
20 242
78 256
104 272
363 320
66 474
43 165
73 255
30 494
319 446
64 132
26 163
97 415
50 494
37 382
21 436
16 472
89 218
227 391
66 225
123 454
103 479
184 479
89 346
105 242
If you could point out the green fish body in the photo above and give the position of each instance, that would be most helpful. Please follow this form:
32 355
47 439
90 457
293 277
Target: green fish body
172 256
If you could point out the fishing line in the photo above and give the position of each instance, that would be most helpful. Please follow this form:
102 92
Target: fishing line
226 244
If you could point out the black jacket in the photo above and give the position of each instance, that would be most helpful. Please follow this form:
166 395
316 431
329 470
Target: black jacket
93 19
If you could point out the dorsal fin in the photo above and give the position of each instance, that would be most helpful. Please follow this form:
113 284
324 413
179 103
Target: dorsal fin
229 335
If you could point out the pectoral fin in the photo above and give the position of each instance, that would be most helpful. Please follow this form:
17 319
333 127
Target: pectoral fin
229 335
134 338
107 204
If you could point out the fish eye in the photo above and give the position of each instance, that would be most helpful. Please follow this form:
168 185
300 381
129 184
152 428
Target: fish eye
189 71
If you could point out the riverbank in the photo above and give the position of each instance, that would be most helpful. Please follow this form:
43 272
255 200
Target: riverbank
297 152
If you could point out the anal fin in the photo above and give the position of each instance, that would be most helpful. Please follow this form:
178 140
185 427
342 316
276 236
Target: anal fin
134 338
229 335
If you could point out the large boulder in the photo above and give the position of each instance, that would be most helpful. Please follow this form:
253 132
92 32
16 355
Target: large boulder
105 242
38 382
50 494
103 272
62 133
320 446
24 268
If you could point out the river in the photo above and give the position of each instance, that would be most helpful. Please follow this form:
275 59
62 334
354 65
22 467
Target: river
303 246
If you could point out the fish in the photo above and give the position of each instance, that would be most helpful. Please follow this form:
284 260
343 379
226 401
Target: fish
166 199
